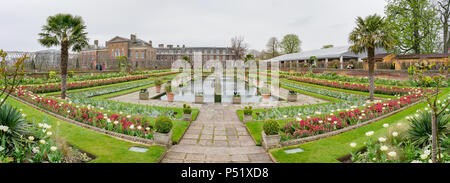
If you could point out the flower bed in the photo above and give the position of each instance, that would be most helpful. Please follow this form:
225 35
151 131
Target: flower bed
387 90
133 126
331 122
45 88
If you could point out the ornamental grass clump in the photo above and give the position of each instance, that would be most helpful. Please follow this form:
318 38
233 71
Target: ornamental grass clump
163 124
271 127
158 82
168 88
420 130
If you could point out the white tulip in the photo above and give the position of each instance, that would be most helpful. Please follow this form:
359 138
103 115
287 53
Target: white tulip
392 154
53 148
370 133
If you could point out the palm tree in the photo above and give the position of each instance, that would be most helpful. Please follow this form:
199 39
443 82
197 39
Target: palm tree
67 31
370 33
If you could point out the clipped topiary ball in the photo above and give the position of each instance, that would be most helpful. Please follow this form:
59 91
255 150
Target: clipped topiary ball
271 127
163 124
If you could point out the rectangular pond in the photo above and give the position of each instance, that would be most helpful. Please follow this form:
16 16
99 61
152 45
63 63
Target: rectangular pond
226 87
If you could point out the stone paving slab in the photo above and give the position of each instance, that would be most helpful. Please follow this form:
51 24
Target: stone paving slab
217 136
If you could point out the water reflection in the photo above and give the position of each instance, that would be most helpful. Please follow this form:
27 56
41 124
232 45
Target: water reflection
226 87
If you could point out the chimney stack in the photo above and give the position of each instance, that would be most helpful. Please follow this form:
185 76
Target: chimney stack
133 37
178 46
96 43
161 45
183 46
150 42
169 46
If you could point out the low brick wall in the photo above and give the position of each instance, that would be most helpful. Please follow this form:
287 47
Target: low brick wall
337 132
107 132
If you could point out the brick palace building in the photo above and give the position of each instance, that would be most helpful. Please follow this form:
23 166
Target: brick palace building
142 55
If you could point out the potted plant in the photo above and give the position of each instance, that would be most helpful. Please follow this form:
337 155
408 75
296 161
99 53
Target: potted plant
143 94
158 83
292 96
248 114
163 133
265 92
270 134
169 93
199 98
236 98
187 113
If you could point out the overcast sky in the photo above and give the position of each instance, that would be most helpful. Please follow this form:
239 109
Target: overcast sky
190 22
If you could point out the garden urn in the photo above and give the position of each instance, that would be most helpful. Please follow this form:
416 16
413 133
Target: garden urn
292 97
236 100
187 117
163 138
199 99
170 96
270 141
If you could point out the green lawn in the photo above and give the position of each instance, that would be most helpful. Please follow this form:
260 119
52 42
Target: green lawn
328 150
107 149
256 127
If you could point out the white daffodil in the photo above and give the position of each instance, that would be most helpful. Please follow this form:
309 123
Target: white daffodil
385 125
395 134
424 156
42 141
353 145
382 139
49 133
384 148
30 138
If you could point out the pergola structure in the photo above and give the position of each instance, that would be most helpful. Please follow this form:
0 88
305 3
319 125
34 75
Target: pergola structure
340 53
